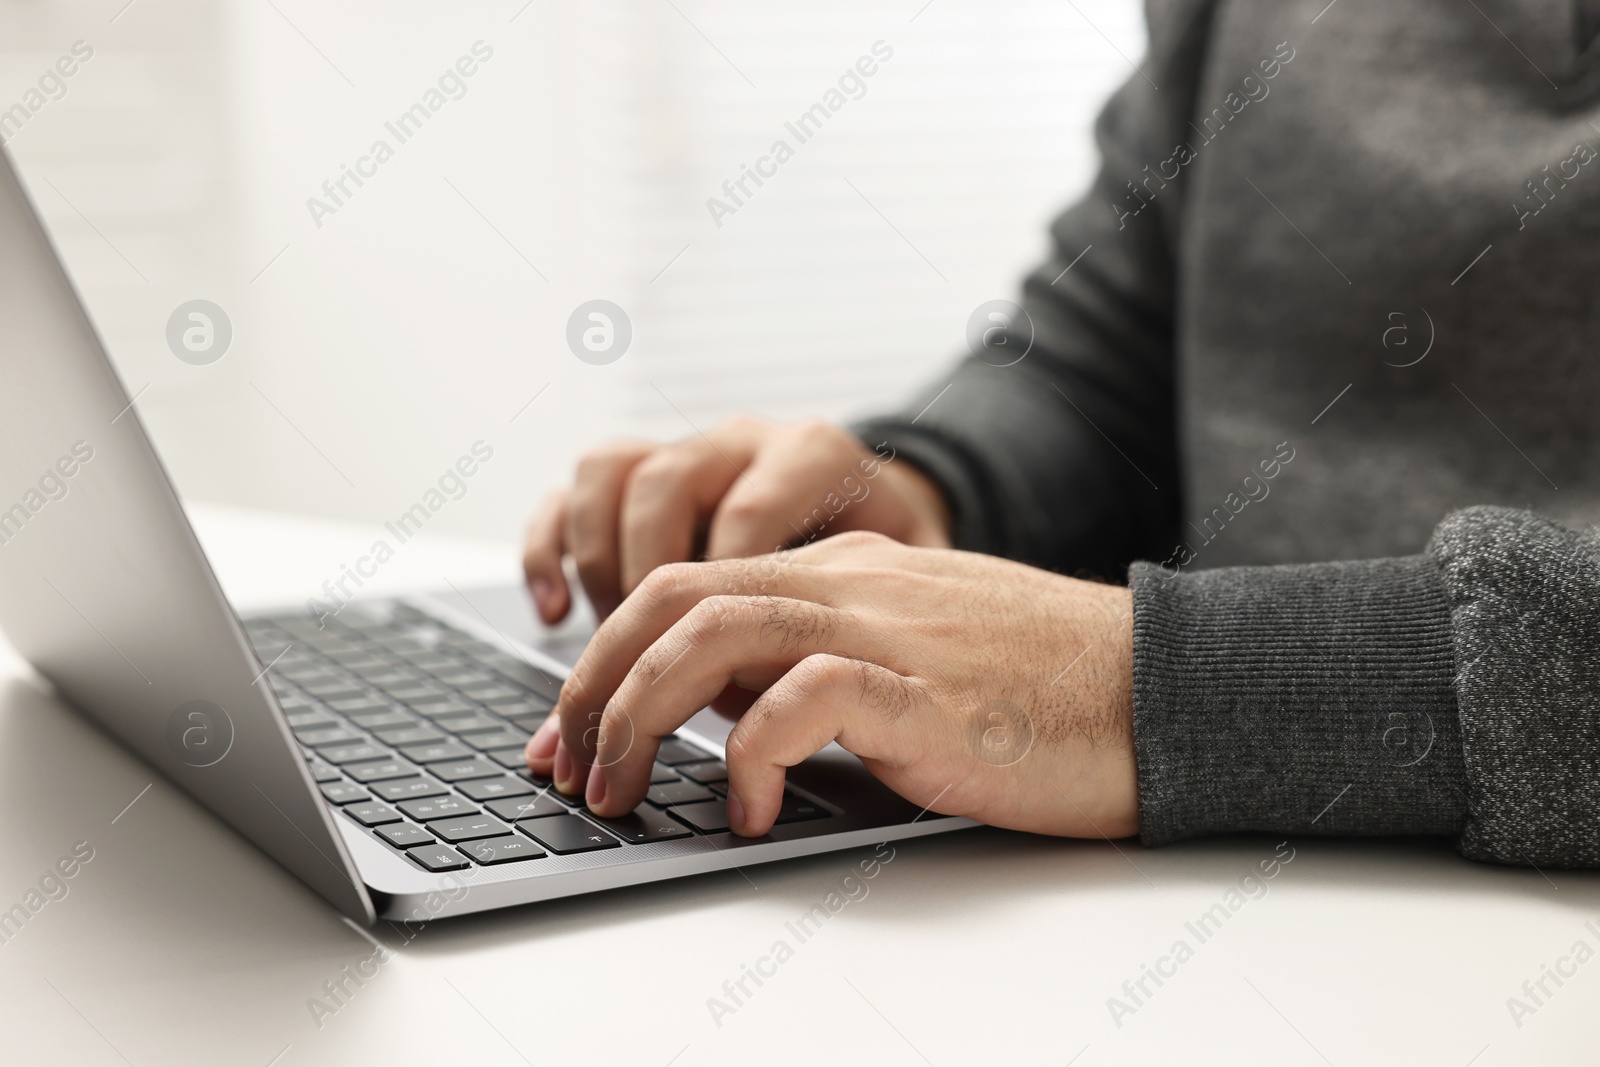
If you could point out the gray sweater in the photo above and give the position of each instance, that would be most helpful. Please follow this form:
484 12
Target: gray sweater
1318 347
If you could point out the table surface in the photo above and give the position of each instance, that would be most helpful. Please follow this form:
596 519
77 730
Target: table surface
179 943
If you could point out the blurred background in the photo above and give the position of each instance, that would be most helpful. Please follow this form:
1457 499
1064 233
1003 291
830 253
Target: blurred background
374 344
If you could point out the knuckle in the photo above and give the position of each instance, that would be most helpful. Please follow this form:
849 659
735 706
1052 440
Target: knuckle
661 472
860 539
667 582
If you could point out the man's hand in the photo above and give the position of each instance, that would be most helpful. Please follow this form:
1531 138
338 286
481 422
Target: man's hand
967 684
747 487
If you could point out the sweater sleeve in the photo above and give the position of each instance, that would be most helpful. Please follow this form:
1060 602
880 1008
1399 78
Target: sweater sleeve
1456 692
1066 458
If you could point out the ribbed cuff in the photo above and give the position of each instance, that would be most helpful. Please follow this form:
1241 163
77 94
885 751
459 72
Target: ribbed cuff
1315 698
972 514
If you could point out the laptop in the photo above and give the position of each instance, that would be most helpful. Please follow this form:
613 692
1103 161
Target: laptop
376 754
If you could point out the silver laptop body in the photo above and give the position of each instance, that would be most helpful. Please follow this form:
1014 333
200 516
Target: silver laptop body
106 591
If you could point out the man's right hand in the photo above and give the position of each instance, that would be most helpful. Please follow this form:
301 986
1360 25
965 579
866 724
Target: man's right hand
748 487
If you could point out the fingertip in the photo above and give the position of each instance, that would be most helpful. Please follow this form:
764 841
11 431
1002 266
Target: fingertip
551 598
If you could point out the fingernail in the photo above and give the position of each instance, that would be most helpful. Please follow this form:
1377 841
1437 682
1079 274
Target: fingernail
542 745
543 590
563 767
735 811
596 793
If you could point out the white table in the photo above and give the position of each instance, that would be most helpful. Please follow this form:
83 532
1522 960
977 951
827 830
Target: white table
180 943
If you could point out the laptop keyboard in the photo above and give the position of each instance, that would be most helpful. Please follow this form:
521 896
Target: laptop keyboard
415 731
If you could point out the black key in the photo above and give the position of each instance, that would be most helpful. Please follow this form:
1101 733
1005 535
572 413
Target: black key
310 719
495 788
506 849
404 835
438 858
358 706
526 807
445 807
382 769
708 818
799 809
381 719
713 770
677 793
354 753
505 737
407 788
321 771
468 828
462 770
408 735
344 792
512 759
372 813
473 721
448 709
529 723
675 750
444 750
564 834
661 774
643 824
337 735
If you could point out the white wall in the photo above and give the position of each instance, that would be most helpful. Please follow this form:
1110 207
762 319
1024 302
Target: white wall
377 348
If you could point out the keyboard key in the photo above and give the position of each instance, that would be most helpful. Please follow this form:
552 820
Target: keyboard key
512 759
467 828
354 706
675 750
460 676
495 788
438 858
382 769
661 774
799 809
505 737
710 771
462 770
643 824
404 835
677 793
527 807
372 813
344 793
565 834
485 694
410 691
447 709
441 807
337 735
331 691
322 771
709 817
408 735
381 719
471 721
310 719
506 849
358 753
408 788
444 750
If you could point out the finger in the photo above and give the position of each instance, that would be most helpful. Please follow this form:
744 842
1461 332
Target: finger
746 641
593 508
825 698
670 493
791 492
541 750
541 559
660 601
